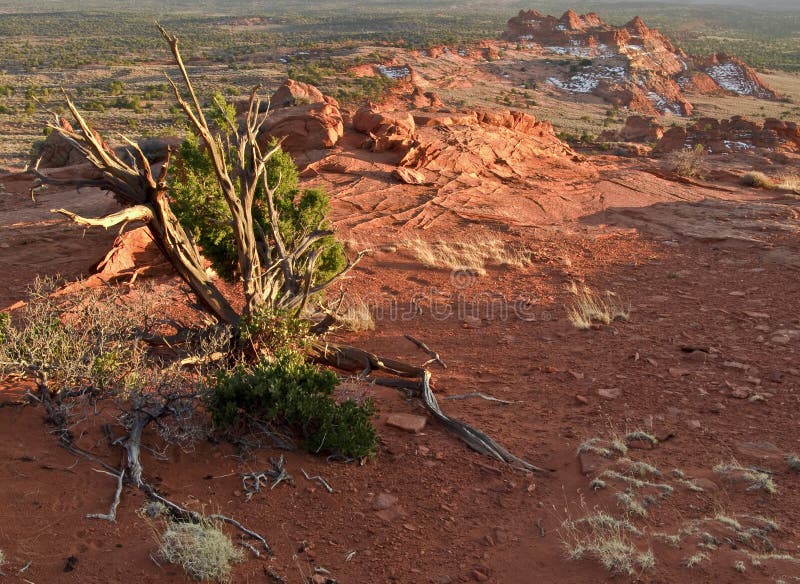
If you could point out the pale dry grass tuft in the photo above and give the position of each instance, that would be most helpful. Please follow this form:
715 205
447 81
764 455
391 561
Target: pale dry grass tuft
793 461
790 182
471 255
201 549
692 561
357 316
588 307
606 540
758 480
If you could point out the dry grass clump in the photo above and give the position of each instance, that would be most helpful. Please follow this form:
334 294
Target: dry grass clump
758 480
689 163
789 182
471 255
628 502
692 561
757 179
588 307
201 549
606 540
357 316
793 461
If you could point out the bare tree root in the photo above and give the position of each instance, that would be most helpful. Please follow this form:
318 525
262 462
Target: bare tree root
350 358
142 414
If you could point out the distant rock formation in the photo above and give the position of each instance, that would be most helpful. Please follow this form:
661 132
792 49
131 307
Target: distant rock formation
632 65
737 134
636 129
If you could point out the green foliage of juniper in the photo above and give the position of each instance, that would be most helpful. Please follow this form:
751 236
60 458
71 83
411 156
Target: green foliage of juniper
299 396
198 202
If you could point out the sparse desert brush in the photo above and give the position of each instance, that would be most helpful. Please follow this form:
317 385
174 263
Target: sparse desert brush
201 549
470 255
757 179
793 461
758 479
606 540
695 559
688 163
588 307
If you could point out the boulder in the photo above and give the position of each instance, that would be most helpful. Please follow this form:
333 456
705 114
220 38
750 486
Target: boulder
304 127
386 130
293 93
641 129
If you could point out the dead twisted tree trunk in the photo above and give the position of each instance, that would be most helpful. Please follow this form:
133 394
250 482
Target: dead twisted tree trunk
273 274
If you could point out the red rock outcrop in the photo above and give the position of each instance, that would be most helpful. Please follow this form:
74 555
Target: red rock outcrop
732 75
304 127
636 129
296 93
386 130
737 134
57 151
632 66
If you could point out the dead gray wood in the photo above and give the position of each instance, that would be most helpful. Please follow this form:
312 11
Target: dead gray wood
350 358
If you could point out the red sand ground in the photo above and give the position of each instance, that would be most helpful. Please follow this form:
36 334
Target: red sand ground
709 267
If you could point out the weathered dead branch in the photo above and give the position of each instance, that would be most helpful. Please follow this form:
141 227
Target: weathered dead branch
354 359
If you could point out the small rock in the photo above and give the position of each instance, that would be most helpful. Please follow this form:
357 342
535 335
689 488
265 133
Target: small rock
694 424
756 314
775 376
699 356
581 400
780 339
740 393
479 576
678 372
71 564
591 462
500 535
609 393
737 293
384 501
407 422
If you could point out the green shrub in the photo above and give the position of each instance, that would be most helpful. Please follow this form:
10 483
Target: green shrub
298 396
689 163
201 208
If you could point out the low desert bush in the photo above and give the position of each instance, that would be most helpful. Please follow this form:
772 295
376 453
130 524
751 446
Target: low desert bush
757 179
689 163
84 340
793 461
201 549
298 396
